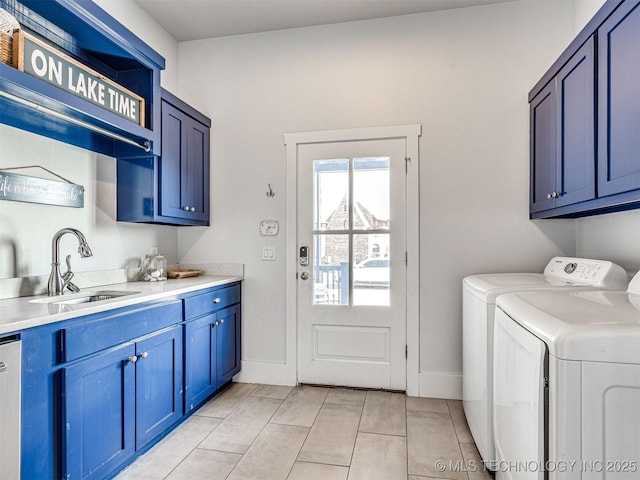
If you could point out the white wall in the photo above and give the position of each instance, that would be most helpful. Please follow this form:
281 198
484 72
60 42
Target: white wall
614 237
585 10
463 75
138 21
29 227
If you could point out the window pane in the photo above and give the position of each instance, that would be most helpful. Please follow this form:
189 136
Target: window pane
371 269
331 269
371 193
331 194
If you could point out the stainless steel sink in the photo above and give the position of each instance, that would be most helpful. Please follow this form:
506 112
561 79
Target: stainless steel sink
95 297
87 297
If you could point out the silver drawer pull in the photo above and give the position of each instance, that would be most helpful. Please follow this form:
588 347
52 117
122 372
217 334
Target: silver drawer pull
143 355
221 321
3 366
217 300
216 324
133 359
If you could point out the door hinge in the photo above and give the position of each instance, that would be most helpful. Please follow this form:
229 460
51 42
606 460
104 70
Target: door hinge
406 351
407 161
406 259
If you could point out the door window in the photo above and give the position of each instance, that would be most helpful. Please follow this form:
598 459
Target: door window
351 239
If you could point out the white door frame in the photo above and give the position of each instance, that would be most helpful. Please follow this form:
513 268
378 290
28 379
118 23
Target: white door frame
410 133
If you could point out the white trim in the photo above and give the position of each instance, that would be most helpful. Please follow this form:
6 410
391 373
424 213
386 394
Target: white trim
440 385
353 134
413 267
292 140
265 372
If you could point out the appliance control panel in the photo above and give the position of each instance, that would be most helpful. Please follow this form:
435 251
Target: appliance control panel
595 273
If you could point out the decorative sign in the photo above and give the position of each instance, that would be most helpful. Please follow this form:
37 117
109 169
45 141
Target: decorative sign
43 61
22 188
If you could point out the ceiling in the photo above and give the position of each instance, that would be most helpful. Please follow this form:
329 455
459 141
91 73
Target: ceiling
198 19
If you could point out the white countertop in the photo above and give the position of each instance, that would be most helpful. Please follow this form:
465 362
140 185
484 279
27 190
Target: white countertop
26 312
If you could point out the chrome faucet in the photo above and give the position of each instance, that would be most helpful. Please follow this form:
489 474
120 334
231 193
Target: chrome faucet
57 281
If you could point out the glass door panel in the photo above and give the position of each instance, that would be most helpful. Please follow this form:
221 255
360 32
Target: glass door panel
352 201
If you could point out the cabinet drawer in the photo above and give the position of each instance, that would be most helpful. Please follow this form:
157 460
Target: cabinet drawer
211 301
109 330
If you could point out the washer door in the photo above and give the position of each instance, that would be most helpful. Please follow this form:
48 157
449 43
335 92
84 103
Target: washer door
518 401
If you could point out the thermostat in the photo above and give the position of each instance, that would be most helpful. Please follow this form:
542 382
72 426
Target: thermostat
269 227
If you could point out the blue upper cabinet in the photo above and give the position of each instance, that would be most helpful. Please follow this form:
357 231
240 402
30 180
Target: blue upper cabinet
184 167
594 173
173 188
563 135
619 101
83 31
576 144
543 148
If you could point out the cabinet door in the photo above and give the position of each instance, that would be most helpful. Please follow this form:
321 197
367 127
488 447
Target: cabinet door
200 360
228 338
184 166
618 101
196 171
543 149
575 164
99 413
172 181
158 383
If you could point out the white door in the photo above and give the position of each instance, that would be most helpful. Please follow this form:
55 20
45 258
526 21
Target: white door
351 265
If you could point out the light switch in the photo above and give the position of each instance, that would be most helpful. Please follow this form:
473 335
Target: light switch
268 253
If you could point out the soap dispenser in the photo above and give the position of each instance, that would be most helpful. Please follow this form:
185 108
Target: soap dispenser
155 267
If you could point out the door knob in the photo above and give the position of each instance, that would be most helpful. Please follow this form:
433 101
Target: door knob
305 276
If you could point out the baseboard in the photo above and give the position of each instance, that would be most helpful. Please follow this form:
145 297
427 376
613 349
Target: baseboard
431 384
440 385
266 373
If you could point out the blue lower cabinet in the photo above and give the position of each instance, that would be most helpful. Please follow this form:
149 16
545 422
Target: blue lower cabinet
200 360
228 348
212 354
99 406
118 401
99 390
158 384
212 342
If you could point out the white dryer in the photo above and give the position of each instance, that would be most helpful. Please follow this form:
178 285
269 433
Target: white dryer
478 300
567 385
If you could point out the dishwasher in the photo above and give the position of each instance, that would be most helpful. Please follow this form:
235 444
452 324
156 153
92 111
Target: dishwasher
10 386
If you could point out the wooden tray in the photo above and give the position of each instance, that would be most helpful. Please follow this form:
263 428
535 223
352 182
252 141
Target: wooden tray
183 273
6 49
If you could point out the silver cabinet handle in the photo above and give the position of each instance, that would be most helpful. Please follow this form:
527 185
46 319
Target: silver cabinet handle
221 321
186 208
216 324
548 196
217 300
193 209
3 366
133 359
143 355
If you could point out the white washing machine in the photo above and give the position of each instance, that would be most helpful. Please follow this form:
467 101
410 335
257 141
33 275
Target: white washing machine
478 300
567 385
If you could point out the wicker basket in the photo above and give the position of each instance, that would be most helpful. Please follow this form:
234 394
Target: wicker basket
6 49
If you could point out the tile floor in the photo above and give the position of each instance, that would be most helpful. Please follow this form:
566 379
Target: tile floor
266 432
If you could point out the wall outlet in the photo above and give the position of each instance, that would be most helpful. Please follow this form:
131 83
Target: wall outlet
268 254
